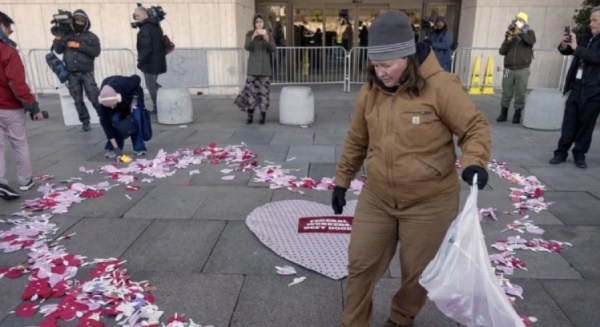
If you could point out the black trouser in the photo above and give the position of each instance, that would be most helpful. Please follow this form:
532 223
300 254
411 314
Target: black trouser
78 82
578 125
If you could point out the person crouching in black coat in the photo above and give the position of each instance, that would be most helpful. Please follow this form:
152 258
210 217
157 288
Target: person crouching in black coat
80 48
152 60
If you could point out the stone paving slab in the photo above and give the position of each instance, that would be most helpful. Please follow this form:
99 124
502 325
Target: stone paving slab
299 169
382 299
210 175
251 138
176 246
206 299
585 259
204 138
99 238
318 171
173 136
316 154
273 153
238 251
330 138
267 301
575 208
63 170
537 303
77 152
10 298
502 203
169 202
293 138
578 300
113 204
232 203
323 197
567 178
579 236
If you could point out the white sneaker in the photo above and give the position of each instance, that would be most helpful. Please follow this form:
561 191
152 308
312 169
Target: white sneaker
140 153
110 154
28 186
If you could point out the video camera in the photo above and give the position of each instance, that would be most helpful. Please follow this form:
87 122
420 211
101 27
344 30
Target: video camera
63 23
153 12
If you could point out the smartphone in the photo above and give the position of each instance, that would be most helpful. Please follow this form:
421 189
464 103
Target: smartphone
44 114
262 32
568 33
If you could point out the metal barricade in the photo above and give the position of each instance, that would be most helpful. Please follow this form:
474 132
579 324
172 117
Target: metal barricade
28 72
112 61
547 67
205 68
358 65
309 65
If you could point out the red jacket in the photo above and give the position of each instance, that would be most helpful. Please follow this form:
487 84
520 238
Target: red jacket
14 92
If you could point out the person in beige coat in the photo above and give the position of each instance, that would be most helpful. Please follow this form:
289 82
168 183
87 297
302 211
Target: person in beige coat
403 124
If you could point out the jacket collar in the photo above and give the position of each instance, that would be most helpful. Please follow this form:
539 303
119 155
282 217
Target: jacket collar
4 39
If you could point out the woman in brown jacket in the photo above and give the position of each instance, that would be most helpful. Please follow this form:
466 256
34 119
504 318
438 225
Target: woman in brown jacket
404 122
260 44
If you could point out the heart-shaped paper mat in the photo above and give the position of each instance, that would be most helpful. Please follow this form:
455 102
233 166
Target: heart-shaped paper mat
276 226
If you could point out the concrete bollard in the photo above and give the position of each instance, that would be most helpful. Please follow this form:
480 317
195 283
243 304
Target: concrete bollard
70 115
174 106
544 110
296 106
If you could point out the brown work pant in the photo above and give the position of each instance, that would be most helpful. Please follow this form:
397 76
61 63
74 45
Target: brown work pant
376 230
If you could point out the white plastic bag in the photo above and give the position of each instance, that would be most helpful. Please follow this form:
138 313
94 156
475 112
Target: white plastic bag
460 279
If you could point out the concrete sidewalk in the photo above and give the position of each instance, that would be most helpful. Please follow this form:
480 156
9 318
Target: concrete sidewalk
192 243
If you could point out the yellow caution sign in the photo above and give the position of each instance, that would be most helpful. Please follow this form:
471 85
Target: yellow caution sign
475 85
488 80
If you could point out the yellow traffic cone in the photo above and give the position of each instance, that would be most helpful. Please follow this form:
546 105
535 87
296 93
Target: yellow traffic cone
475 85
488 80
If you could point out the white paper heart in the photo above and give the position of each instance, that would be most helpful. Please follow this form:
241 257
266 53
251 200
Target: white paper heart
276 226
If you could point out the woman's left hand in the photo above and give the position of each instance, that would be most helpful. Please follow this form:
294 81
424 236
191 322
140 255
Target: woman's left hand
573 43
266 37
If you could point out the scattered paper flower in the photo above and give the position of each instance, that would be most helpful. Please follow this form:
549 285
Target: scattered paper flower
286 270
297 281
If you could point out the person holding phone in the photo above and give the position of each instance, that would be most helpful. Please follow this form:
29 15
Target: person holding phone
583 83
260 44
15 100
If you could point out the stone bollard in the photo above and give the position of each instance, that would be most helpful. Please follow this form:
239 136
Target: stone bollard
296 106
544 110
70 115
174 106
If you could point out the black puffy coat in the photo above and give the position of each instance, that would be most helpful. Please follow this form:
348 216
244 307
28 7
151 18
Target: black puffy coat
82 58
590 56
151 49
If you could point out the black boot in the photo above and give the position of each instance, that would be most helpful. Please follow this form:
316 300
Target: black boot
263 117
517 116
503 115
250 117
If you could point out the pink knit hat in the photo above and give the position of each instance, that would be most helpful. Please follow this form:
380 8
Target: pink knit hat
109 97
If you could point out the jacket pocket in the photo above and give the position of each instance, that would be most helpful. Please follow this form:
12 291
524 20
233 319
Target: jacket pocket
427 168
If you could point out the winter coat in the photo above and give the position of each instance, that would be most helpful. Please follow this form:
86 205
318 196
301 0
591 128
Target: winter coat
408 140
14 91
259 60
79 59
518 52
152 58
590 57
127 87
442 42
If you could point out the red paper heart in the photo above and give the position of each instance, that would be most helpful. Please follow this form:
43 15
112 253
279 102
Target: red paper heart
149 298
9 238
11 273
212 145
26 309
133 188
91 194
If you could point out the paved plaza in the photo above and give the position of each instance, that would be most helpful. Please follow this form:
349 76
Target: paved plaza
186 233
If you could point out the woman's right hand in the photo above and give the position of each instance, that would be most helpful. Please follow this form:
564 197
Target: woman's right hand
564 41
255 34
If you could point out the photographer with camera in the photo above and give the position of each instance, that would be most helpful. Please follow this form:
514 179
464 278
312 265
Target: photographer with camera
15 100
80 48
517 50
583 81
152 60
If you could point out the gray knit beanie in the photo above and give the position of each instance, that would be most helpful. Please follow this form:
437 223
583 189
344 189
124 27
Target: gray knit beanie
391 37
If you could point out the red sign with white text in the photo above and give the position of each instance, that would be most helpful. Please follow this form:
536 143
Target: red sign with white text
325 225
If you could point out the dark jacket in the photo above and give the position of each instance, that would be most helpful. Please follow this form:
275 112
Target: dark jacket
442 42
79 59
14 91
150 47
259 60
128 87
518 52
590 59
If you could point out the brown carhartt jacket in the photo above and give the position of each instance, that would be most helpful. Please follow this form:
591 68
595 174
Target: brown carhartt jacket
408 142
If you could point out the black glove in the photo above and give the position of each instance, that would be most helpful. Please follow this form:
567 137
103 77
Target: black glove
118 152
508 35
428 42
482 176
32 108
338 200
